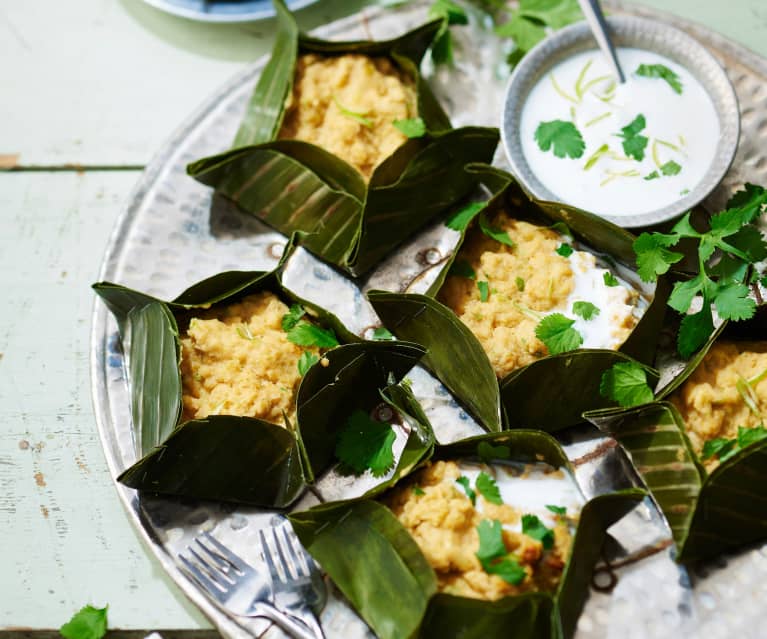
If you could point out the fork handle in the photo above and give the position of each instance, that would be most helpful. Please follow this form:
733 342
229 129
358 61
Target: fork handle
289 624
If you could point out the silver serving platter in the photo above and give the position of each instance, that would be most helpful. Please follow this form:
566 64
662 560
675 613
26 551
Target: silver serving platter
627 31
173 233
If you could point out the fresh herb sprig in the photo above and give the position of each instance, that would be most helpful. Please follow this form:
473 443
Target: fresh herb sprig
626 383
721 282
365 444
723 448
87 623
493 555
562 137
663 72
634 144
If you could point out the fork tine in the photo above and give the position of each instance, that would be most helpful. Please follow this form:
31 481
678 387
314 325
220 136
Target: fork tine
296 553
212 588
221 564
267 552
215 574
224 552
287 565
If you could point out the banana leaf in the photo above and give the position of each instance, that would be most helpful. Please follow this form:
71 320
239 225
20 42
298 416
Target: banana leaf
571 380
708 513
297 186
380 569
244 459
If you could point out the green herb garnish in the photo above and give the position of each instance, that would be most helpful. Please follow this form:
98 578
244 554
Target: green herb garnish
87 623
557 333
488 489
586 310
361 118
535 528
663 72
730 232
565 250
290 319
306 361
382 334
494 557
670 168
562 137
557 510
652 176
595 156
626 383
723 448
484 291
452 14
464 481
306 334
365 444
412 127
520 284
633 143
499 235
417 490
610 279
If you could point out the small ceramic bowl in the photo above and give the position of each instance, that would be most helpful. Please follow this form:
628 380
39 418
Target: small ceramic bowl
639 33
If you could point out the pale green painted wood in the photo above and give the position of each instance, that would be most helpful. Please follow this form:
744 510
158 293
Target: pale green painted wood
105 82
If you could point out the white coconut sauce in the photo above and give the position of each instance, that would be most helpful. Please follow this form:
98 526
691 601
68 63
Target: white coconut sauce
530 494
682 131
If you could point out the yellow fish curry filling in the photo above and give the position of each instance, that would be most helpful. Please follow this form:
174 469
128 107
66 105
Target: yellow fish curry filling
239 360
478 546
533 273
724 402
347 105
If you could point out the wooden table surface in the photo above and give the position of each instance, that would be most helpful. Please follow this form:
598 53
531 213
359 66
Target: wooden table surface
90 89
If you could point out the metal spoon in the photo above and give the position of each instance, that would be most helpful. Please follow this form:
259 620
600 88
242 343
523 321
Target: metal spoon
596 20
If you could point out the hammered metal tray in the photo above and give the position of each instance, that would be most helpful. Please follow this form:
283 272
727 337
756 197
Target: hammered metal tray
173 233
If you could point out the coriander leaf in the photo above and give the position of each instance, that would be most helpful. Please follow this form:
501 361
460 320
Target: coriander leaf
683 293
670 168
663 72
557 333
464 481
694 331
750 241
652 176
507 569
382 334
717 447
449 10
484 291
290 319
563 136
684 228
729 269
633 143
520 284
459 220
87 623
412 127
491 544
306 361
626 383
751 201
461 268
499 235
525 33
747 436
417 490
535 528
733 303
557 510
562 229
586 310
653 256
488 453
353 115
305 334
553 13
610 279
488 489
365 444
565 250
451 13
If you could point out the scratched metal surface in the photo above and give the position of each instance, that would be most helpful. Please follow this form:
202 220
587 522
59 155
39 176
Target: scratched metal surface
172 234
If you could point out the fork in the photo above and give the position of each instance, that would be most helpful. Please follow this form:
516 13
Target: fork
235 586
292 582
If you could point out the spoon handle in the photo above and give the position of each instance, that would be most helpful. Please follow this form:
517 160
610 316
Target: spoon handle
596 20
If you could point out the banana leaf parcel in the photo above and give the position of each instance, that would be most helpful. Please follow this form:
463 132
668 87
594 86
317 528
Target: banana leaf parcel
385 576
708 511
550 393
295 185
232 457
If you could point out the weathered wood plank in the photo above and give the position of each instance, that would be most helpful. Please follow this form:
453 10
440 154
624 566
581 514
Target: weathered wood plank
65 538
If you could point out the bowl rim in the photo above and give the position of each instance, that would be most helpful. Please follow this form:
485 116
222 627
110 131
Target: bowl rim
577 37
